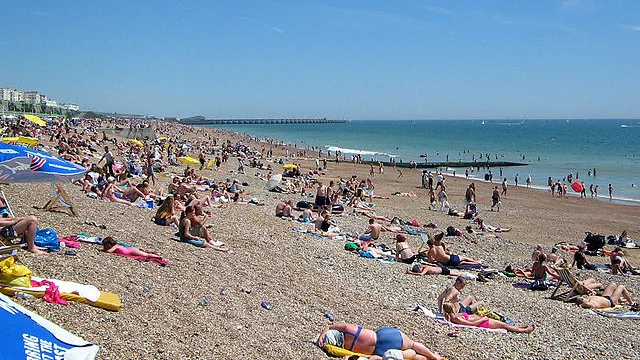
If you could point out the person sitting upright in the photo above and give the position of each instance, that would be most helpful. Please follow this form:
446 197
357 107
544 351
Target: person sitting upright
24 227
452 295
438 253
284 209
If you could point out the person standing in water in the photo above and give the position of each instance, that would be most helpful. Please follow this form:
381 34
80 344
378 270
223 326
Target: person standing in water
610 192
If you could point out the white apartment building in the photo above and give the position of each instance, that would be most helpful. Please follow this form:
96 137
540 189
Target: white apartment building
33 97
14 95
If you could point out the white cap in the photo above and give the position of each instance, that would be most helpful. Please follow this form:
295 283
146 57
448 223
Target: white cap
392 354
111 179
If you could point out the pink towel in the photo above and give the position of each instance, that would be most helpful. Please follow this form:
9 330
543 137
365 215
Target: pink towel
70 241
160 261
51 294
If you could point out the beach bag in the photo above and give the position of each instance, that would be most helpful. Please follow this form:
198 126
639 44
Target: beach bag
14 274
594 241
47 238
451 231
612 240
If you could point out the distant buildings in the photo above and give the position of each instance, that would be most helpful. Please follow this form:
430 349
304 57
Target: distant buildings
33 98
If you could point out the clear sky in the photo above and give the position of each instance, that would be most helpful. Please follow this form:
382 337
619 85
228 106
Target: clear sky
353 59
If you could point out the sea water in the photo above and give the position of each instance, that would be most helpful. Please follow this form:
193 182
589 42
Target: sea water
553 148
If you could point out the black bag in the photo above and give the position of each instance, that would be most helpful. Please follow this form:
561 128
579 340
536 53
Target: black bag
451 231
594 241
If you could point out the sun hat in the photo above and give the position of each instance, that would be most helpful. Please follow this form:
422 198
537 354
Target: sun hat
392 354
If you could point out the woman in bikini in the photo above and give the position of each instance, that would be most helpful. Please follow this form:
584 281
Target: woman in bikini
480 321
109 193
364 341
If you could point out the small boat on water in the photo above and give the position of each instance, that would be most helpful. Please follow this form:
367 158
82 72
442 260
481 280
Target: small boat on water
423 155
482 122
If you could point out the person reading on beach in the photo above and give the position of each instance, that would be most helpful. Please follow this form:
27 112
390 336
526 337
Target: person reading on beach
373 231
462 318
613 294
452 295
369 342
21 227
438 253
194 234
284 209
111 246
427 269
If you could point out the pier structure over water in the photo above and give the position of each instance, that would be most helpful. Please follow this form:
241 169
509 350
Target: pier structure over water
200 121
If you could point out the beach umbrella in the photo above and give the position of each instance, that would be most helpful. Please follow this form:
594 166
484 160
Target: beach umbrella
289 167
20 164
27 335
136 142
273 182
29 141
188 160
34 119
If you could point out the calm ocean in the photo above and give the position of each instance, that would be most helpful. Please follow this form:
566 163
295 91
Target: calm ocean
551 147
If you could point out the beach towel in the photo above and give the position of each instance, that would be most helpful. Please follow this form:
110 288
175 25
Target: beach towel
439 317
70 241
160 261
468 267
619 315
52 292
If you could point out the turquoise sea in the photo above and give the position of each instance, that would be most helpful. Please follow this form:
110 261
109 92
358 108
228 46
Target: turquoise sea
553 148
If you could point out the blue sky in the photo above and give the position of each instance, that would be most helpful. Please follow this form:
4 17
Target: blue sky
359 59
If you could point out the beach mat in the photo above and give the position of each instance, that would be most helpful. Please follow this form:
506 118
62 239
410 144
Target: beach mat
439 317
27 335
107 300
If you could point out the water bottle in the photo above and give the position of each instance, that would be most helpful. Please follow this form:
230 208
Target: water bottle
223 292
328 316
266 305
24 296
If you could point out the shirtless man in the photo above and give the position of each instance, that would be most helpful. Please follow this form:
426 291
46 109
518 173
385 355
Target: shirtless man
452 294
438 253
284 208
426 269
373 231
610 298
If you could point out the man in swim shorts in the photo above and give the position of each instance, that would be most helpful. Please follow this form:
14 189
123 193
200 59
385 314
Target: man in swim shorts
438 253
373 231
452 294
611 296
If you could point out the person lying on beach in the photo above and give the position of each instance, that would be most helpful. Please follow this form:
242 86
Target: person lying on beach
111 246
284 209
109 193
466 319
613 294
439 254
407 194
427 269
371 215
369 342
452 295
486 227
21 227
469 229
166 213
194 234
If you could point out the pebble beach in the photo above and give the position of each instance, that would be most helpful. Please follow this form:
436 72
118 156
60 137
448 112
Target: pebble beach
181 311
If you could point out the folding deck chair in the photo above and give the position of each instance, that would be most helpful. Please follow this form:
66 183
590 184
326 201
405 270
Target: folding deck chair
60 200
577 289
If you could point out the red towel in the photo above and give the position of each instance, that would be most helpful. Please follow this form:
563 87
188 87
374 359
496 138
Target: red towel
70 241
52 293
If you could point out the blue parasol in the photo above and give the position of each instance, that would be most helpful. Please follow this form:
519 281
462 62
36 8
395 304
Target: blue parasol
27 335
20 164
